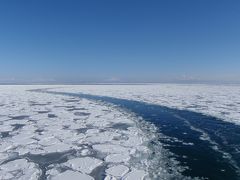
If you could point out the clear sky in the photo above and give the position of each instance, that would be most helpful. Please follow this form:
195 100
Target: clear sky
119 40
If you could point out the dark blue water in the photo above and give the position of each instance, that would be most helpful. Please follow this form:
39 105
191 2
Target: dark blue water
209 147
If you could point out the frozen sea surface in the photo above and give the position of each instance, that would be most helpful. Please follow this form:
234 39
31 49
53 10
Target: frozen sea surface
63 132
50 136
222 101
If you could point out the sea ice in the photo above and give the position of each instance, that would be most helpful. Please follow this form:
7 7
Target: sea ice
110 148
117 158
72 175
117 171
85 164
222 101
135 175
19 169
99 135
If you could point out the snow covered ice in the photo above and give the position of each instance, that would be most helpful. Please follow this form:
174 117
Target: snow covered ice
79 139
53 136
222 101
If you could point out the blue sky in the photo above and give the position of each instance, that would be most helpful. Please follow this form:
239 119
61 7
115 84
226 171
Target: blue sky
119 40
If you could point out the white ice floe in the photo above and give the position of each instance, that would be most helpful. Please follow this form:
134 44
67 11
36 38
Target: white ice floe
3 156
111 148
222 101
117 171
135 175
43 131
102 137
83 139
117 158
19 169
61 147
85 165
72 175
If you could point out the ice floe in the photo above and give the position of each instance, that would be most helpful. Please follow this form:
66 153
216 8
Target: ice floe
48 136
85 165
222 101
135 175
117 158
56 136
117 171
72 175
19 169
